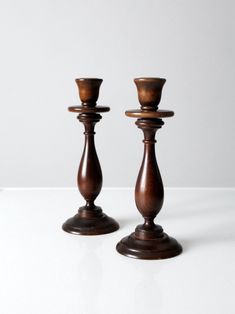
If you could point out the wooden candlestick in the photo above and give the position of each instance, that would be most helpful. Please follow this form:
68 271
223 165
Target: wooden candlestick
149 241
90 220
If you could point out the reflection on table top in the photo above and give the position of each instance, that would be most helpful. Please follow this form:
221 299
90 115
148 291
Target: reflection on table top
45 270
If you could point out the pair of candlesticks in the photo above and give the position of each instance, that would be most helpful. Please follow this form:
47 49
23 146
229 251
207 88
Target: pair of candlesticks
148 241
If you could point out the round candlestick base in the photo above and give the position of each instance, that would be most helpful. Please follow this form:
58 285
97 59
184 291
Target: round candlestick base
159 248
90 222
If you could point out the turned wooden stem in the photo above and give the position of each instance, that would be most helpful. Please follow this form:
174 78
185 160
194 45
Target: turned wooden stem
149 191
89 177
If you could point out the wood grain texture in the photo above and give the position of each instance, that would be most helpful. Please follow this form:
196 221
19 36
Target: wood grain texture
136 113
90 219
82 109
149 241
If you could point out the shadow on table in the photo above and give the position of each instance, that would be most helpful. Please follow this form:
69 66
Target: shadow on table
214 202
207 217
123 222
220 234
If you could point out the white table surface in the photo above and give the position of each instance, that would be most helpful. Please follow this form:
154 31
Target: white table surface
44 270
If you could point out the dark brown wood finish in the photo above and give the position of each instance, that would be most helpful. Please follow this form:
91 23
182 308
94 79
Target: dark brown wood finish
90 219
149 241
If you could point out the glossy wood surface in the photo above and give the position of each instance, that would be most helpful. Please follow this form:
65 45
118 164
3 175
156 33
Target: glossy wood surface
149 92
149 114
82 109
88 89
149 241
149 190
89 177
90 219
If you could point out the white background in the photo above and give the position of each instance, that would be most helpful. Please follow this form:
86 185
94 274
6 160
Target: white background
46 44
